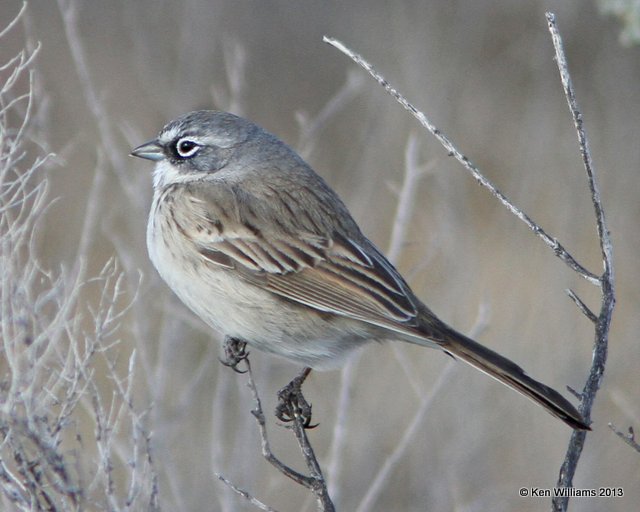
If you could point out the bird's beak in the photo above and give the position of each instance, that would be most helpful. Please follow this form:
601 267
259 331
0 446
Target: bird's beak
151 150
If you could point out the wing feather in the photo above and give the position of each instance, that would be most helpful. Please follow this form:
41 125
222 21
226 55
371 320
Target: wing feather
342 279
332 272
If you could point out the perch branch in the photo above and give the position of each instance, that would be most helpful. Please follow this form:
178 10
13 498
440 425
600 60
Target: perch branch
315 482
603 321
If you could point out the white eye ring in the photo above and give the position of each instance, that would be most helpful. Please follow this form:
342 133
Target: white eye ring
187 147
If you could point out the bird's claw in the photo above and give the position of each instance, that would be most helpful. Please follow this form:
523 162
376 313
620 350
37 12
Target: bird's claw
235 351
292 404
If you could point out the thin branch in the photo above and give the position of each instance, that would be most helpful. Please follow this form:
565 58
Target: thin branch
582 306
552 242
258 413
426 402
603 232
232 97
69 12
406 200
241 492
315 481
339 436
606 281
377 485
405 203
311 127
14 21
629 437
603 322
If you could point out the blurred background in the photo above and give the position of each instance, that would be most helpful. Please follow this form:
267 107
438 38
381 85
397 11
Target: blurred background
109 75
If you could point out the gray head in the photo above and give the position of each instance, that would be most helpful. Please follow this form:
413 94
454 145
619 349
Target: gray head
198 141
205 142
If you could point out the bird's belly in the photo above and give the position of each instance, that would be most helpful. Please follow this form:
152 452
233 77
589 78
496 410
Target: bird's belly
266 321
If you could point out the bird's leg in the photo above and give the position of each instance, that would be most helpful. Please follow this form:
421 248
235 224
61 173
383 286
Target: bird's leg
291 402
234 353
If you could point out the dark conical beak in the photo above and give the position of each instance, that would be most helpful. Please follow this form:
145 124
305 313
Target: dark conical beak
151 150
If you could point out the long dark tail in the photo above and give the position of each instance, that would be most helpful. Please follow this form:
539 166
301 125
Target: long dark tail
509 373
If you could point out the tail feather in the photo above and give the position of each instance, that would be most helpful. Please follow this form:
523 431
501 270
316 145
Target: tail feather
510 374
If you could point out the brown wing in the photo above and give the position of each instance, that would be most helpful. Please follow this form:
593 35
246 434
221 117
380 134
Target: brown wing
333 274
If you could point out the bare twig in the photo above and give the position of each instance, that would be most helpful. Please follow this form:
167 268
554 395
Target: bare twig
339 436
552 242
582 306
241 492
406 200
405 203
232 97
629 437
606 281
603 321
16 19
310 127
51 333
315 481
426 402
69 12
408 437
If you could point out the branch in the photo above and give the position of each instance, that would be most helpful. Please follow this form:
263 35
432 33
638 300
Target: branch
408 437
405 203
257 503
586 311
629 437
69 12
552 242
413 171
605 282
311 127
315 481
603 320
337 451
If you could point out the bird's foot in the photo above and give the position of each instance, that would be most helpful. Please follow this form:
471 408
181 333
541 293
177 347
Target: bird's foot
292 404
235 351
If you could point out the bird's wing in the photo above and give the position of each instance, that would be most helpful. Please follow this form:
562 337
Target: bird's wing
333 273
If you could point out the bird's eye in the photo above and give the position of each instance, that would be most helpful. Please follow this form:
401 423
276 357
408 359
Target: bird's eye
186 148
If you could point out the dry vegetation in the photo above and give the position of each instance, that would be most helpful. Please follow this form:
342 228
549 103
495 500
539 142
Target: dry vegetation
111 394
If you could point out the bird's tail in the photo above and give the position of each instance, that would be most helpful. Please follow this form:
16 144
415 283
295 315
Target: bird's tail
507 372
